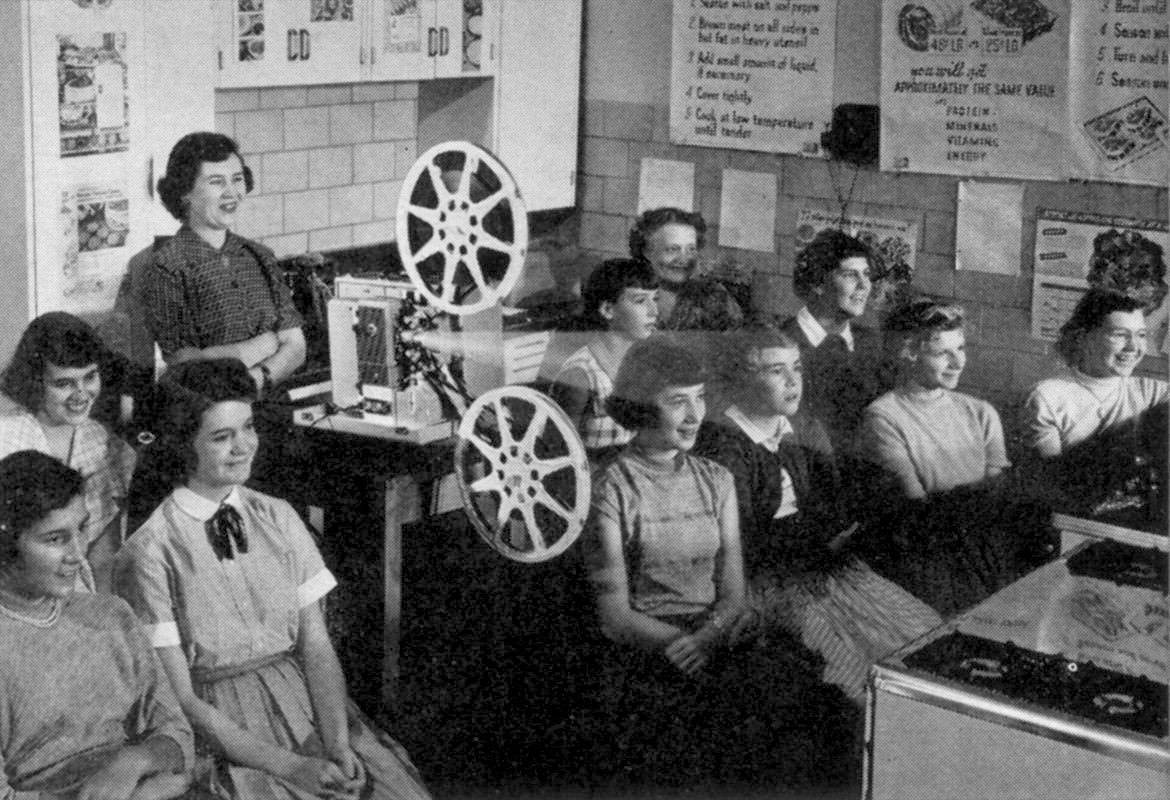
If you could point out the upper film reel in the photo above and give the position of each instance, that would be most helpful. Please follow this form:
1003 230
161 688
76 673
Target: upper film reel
462 228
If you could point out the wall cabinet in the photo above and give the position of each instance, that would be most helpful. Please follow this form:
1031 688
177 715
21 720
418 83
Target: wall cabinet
304 42
104 98
537 103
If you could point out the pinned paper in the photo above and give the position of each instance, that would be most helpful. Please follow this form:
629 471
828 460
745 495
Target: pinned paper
663 182
747 211
989 228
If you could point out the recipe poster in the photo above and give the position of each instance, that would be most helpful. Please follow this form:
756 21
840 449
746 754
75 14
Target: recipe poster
1119 69
752 74
975 88
95 226
92 94
1064 250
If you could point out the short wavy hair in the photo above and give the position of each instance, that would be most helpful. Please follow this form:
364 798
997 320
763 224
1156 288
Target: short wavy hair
1129 263
649 367
185 392
183 164
1088 315
737 366
612 277
917 320
825 253
54 338
653 219
32 485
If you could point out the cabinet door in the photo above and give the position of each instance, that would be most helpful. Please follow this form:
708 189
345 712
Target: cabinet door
466 38
537 98
89 155
405 40
290 42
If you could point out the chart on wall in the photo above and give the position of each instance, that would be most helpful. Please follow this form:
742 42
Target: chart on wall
92 93
752 74
895 241
1118 127
975 88
95 228
1064 252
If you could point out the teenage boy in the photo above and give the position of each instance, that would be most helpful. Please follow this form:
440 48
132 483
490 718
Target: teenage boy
834 276
620 297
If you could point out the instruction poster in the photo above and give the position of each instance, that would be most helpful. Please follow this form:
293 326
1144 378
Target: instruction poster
92 94
1064 250
975 88
1119 70
95 226
752 74
403 27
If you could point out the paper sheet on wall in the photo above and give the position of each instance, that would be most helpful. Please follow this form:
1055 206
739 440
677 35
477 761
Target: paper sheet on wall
1064 249
1118 57
989 227
975 88
754 75
662 182
895 241
95 226
747 210
93 102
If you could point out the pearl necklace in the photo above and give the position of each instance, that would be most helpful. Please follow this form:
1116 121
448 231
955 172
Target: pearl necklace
48 621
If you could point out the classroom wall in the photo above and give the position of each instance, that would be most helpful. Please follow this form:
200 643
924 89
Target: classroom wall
625 118
328 160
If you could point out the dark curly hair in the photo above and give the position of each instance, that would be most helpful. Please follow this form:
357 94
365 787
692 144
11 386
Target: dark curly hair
649 367
650 221
612 277
825 253
54 338
1088 315
183 167
32 485
184 394
1129 263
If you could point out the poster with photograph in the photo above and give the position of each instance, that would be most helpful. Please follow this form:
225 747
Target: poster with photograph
754 75
250 29
1064 250
95 226
975 88
93 101
331 11
404 27
894 241
1118 83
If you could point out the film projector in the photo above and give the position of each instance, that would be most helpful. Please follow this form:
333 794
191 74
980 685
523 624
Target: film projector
422 359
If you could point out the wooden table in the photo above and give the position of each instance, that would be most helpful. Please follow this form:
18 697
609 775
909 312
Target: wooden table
408 470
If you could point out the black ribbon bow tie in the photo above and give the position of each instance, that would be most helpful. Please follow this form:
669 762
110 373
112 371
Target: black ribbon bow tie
225 532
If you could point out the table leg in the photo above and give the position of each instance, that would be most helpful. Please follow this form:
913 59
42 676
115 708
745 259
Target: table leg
401 506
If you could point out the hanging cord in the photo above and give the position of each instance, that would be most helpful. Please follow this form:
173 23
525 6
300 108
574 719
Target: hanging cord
843 200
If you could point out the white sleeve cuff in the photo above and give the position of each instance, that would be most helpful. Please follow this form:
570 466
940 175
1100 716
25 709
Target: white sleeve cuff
164 634
315 588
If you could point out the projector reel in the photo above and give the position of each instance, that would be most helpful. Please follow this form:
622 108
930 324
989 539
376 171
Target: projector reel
462 228
522 473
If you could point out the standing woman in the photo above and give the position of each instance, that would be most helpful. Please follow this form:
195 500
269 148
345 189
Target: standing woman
55 378
85 711
228 581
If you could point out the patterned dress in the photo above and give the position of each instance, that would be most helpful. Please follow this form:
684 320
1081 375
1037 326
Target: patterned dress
237 622
104 461
597 428
75 692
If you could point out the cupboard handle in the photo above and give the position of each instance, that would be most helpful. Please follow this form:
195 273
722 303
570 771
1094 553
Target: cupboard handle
294 45
305 45
444 41
150 176
431 44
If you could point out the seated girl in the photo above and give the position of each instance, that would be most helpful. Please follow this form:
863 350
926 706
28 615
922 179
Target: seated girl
940 451
55 379
662 551
795 532
85 711
228 581
620 299
1101 344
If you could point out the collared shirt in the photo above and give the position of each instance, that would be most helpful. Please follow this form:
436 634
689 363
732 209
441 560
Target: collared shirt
770 441
816 333
198 296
